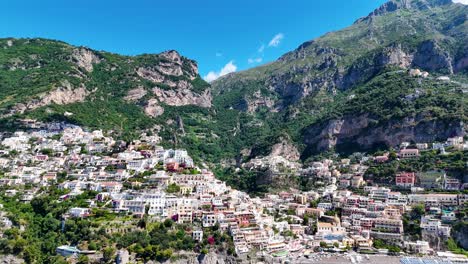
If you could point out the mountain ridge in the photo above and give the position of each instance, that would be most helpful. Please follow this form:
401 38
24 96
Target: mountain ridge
295 97
429 35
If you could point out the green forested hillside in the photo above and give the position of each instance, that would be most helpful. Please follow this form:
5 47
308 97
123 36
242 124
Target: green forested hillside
357 75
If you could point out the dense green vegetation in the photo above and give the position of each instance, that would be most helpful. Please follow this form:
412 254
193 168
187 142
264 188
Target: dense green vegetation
412 221
37 231
31 67
368 86
41 220
381 244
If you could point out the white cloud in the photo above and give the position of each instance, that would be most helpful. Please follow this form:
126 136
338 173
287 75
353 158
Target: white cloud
261 48
219 54
465 2
254 60
228 68
275 41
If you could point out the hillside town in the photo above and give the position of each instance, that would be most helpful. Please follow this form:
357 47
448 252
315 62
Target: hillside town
343 214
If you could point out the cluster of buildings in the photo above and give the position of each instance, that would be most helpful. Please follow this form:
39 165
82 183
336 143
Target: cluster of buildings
143 178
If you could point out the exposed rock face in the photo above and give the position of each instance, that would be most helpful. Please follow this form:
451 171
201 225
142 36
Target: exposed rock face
461 63
191 69
460 236
344 59
429 56
285 149
153 108
171 64
395 55
65 94
326 72
254 102
150 75
184 96
363 132
85 58
432 58
135 94
172 76
10 259
394 5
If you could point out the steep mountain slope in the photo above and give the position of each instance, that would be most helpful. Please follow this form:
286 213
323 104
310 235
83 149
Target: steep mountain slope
45 79
347 90
305 88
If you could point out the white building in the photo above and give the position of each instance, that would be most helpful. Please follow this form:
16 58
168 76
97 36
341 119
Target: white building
79 212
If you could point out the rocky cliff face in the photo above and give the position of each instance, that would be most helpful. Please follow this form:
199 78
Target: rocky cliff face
430 35
10 259
395 5
460 235
65 94
400 33
183 96
52 77
85 58
363 132
172 78
286 149
170 64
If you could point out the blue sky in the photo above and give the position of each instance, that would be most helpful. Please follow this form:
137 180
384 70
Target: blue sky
222 36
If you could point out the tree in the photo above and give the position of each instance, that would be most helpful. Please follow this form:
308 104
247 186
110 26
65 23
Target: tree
108 254
92 245
47 151
323 244
314 203
394 249
173 188
168 223
417 211
31 254
305 220
142 223
83 259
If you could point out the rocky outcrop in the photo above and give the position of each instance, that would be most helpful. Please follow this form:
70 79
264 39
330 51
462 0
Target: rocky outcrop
10 259
153 108
362 132
191 68
65 94
395 5
85 58
285 149
254 102
172 76
135 94
459 234
395 55
431 57
183 96
150 75
170 64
